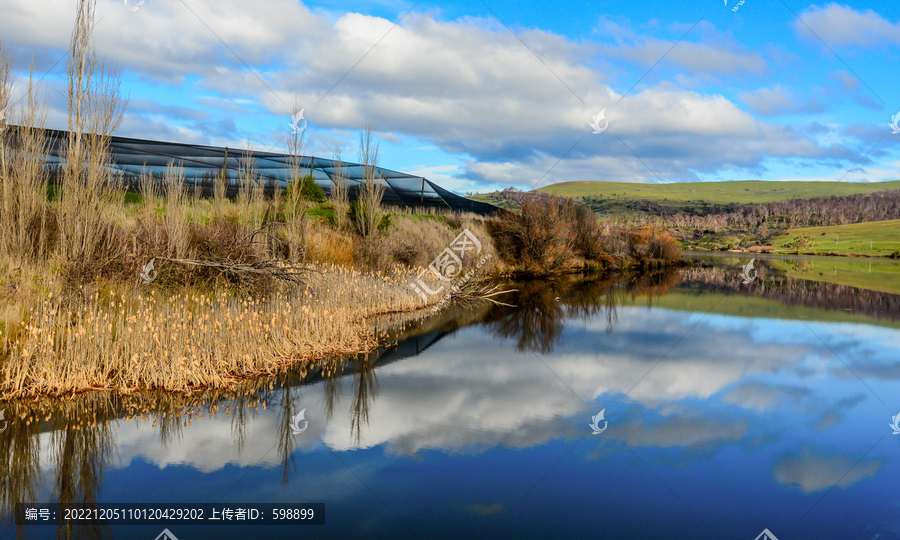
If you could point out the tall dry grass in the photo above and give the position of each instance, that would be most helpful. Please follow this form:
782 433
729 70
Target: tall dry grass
175 218
339 197
220 191
370 212
133 340
149 190
96 107
250 193
27 224
295 206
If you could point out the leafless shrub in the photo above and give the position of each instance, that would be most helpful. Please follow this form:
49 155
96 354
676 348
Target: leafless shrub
556 234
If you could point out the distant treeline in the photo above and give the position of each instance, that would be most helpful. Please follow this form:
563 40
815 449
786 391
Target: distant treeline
818 211
802 292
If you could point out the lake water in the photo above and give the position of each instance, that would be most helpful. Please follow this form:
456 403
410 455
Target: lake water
728 408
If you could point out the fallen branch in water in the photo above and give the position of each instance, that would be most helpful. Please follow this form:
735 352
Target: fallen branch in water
470 292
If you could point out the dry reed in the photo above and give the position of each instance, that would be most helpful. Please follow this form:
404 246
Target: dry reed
134 340
370 213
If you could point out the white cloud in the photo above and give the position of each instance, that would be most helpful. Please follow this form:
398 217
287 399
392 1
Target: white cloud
465 86
842 26
811 472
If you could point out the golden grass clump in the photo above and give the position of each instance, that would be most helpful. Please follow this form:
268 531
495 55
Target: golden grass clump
327 246
133 340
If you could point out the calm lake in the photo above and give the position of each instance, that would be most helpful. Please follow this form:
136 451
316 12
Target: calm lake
727 408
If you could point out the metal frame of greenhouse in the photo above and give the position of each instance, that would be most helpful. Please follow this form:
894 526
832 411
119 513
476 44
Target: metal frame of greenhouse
200 164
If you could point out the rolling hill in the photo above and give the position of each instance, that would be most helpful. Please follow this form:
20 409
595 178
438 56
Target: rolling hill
742 192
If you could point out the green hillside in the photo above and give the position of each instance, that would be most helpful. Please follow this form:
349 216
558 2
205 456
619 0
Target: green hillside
877 238
743 192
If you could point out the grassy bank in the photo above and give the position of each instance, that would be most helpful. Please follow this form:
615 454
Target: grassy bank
249 287
133 341
876 239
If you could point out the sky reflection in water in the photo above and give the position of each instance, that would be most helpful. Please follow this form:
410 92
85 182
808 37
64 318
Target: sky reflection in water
719 426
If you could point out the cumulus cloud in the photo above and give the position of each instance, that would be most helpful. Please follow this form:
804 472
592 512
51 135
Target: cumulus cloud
465 86
842 26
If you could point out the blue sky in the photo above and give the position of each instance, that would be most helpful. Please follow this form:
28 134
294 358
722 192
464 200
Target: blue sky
691 90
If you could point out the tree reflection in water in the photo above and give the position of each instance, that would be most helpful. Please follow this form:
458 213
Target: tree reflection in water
82 451
537 324
365 389
83 442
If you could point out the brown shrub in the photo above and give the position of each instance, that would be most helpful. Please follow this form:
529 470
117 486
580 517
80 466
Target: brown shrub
539 240
555 234
648 244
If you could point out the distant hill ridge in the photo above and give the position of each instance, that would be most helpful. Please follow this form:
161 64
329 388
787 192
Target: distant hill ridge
738 191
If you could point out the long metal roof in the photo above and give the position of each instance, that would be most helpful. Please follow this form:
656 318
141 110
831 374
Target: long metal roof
141 156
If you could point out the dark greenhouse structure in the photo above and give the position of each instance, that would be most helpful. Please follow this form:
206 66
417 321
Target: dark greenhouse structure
200 165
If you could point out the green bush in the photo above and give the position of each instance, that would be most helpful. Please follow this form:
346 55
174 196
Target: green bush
309 190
